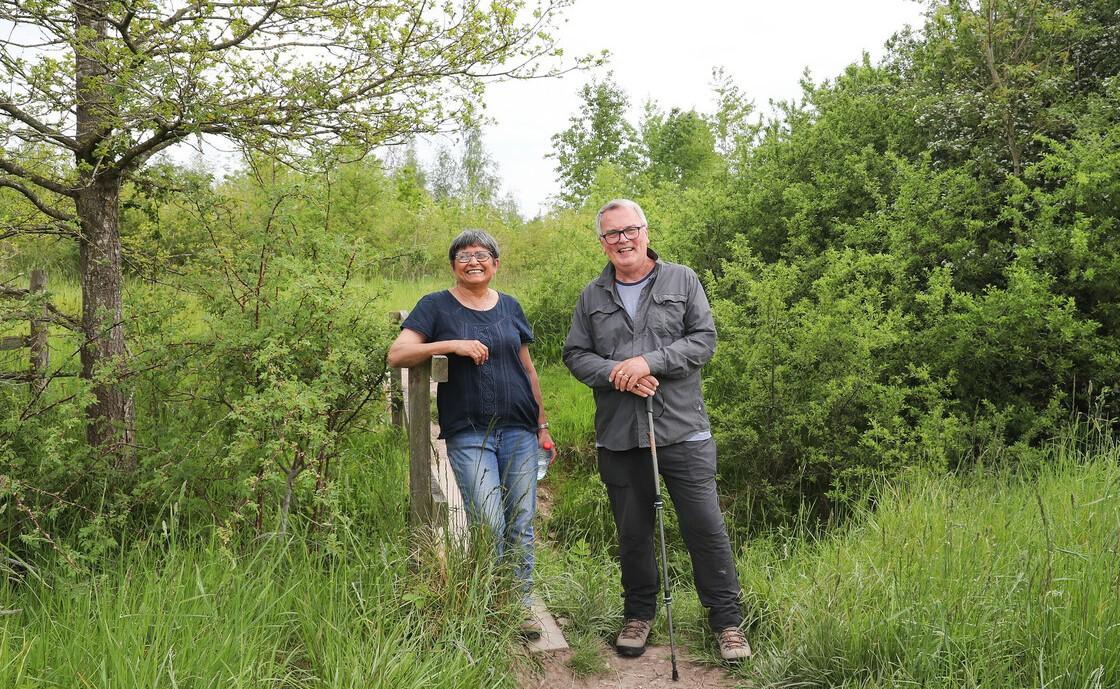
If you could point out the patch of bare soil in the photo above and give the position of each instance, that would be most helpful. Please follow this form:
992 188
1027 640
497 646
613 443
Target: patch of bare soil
544 502
651 670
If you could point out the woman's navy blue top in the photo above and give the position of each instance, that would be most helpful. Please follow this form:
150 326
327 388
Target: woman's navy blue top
479 397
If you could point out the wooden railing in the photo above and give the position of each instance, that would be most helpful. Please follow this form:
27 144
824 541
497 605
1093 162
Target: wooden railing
413 412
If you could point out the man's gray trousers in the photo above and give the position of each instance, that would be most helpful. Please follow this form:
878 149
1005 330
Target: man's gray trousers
688 471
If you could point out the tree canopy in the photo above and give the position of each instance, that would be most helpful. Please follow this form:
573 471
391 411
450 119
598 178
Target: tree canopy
95 88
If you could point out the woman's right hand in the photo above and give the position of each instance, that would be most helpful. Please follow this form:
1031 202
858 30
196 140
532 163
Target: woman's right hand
474 349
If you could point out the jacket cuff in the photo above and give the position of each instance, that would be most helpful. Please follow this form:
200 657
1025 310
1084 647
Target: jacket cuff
656 361
604 377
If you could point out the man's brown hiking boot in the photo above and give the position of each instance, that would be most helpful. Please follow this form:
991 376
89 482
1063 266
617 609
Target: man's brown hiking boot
733 644
632 639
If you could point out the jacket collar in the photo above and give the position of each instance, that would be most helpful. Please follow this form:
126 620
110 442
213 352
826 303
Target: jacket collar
606 278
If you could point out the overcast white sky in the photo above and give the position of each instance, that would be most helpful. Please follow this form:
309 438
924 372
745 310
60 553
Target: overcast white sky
665 50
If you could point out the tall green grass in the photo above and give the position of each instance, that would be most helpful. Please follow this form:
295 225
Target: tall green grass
201 616
967 581
185 605
207 612
570 408
977 580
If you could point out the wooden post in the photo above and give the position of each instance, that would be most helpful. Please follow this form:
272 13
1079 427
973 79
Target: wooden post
427 505
40 351
423 508
440 512
396 398
419 445
12 342
439 368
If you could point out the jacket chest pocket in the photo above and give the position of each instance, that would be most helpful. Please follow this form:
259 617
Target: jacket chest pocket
608 328
666 314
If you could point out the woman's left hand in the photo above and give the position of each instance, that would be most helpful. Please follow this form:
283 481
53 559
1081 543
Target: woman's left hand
545 438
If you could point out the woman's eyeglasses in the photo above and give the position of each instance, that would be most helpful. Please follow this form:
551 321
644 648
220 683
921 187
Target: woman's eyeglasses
480 256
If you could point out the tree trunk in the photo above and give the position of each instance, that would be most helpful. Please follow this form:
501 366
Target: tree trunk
109 424
110 420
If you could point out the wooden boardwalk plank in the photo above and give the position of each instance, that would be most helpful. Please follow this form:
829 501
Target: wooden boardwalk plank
552 639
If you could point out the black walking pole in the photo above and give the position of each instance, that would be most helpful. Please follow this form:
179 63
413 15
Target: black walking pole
660 508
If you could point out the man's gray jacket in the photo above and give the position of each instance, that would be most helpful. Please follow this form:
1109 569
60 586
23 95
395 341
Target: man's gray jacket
675 333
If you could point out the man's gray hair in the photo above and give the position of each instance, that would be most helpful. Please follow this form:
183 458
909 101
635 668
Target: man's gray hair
472 238
618 203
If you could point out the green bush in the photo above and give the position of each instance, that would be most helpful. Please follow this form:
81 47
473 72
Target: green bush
52 487
286 363
556 261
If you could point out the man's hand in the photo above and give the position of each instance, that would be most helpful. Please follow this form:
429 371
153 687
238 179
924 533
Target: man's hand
645 387
474 349
632 375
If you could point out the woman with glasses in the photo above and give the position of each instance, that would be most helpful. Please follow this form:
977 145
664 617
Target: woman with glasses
490 410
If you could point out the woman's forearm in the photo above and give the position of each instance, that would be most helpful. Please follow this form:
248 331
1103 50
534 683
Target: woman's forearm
406 354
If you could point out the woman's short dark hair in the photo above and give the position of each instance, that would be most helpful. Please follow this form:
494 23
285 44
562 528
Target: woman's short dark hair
472 238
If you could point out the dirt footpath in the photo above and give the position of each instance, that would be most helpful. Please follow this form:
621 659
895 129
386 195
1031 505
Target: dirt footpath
652 670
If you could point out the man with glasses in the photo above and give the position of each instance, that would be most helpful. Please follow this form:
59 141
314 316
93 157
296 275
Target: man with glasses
644 328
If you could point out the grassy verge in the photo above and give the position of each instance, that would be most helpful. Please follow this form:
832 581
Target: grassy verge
352 608
202 617
967 581
971 581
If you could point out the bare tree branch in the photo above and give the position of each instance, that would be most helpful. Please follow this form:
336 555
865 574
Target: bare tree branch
37 179
238 40
38 126
35 200
57 317
59 229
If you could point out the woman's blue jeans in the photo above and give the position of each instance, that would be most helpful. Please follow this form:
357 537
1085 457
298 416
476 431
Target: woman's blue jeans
496 470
